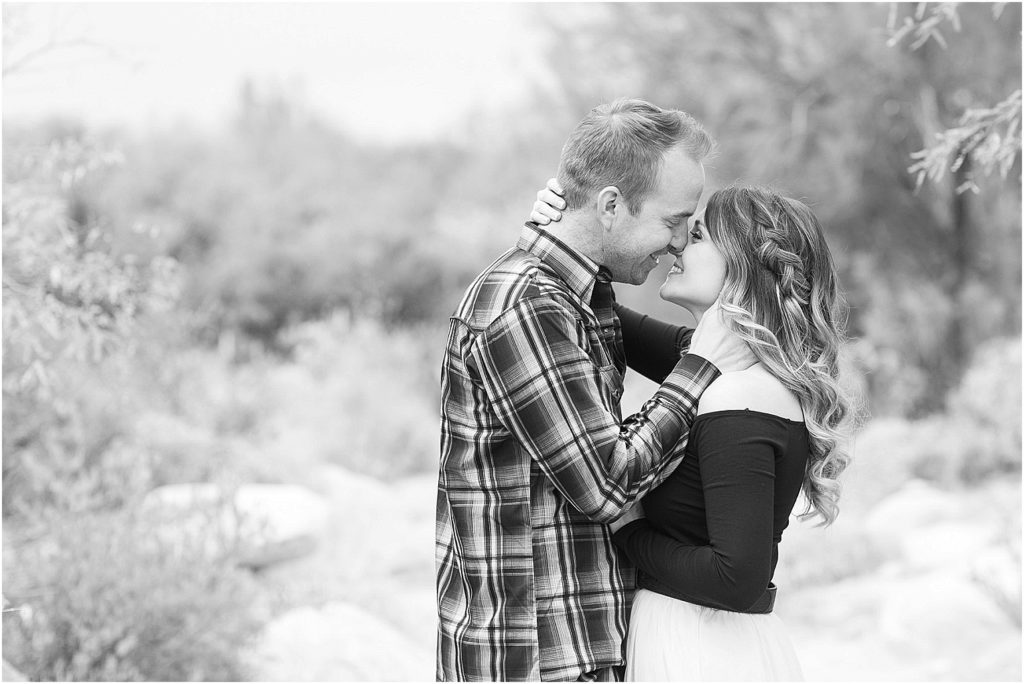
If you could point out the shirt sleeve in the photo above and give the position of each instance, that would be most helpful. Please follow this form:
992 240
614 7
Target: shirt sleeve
652 346
546 390
737 468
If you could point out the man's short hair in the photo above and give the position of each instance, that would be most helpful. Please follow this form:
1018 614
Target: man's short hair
623 144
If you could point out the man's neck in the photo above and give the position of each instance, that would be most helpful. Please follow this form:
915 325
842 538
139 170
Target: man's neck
580 233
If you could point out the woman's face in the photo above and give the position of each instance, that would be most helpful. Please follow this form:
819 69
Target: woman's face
698 274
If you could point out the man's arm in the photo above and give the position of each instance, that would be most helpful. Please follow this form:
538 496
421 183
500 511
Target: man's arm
737 467
545 390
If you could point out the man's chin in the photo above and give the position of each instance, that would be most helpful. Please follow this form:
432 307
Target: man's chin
641 278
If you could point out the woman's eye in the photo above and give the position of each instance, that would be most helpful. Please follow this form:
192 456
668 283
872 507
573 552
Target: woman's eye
695 234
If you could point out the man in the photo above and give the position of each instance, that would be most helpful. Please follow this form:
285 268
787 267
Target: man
535 457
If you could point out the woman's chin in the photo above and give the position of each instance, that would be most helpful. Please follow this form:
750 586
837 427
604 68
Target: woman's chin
667 292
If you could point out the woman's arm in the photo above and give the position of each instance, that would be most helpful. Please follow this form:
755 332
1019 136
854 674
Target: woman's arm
652 346
737 466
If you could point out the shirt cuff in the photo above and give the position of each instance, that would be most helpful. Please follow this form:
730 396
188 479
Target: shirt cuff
684 385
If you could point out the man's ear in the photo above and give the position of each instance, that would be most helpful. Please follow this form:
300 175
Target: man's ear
610 206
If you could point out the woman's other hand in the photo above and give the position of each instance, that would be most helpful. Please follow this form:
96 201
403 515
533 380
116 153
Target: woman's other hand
549 202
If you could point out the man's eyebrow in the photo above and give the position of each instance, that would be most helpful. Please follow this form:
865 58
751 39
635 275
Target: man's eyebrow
680 216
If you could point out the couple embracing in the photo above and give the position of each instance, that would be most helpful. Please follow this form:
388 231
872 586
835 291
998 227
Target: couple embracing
577 544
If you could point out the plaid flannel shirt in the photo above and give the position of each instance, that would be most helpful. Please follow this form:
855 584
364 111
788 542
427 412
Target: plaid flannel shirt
535 461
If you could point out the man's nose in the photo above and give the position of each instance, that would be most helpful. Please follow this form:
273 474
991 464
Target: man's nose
678 242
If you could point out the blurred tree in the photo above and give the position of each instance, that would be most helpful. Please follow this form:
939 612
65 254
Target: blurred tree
970 137
283 219
808 98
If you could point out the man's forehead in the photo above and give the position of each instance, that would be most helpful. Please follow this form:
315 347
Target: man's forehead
684 202
681 185
681 215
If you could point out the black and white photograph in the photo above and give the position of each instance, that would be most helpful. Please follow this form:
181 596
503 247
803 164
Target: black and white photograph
511 341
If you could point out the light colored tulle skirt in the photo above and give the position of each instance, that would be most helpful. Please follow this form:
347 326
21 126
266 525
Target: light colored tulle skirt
672 640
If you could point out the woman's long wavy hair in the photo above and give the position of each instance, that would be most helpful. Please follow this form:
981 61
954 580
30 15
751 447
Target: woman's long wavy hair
782 296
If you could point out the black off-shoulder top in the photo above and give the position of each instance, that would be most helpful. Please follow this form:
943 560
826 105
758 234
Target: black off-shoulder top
713 527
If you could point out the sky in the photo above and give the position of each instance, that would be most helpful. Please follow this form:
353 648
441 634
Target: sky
390 72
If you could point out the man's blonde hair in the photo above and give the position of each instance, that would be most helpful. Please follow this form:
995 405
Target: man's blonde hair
623 144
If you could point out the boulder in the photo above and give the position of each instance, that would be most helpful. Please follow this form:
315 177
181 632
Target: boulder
262 524
938 626
11 673
949 545
903 513
944 621
998 571
339 642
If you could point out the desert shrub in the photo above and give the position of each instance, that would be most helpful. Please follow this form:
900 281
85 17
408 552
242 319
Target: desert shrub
95 596
360 396
99 599
986 406
978 436
811 555
70 311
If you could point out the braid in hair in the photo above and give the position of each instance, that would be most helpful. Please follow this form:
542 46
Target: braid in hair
782 297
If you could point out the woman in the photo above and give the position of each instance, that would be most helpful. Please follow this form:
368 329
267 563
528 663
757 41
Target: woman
706 541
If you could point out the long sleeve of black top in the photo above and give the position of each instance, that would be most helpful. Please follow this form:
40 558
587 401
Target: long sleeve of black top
652 346
746 506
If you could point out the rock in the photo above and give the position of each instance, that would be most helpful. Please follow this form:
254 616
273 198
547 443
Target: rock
998 571
939 626
339 642
949 545
280 522
11 673
915 506
943 617
262 524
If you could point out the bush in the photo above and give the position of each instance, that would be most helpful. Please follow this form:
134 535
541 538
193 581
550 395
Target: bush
814 556
987 407
977 437
99 600
360 396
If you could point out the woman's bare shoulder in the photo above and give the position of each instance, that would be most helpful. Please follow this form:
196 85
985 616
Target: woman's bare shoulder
755 389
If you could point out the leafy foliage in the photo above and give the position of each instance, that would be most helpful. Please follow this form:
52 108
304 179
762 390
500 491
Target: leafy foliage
989 136
109 603
94 597
68 302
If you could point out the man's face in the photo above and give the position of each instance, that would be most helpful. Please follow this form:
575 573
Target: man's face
636 242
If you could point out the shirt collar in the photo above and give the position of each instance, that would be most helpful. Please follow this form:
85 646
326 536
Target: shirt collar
577 270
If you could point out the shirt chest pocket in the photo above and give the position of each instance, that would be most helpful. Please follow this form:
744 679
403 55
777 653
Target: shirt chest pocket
610 381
